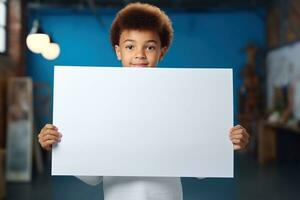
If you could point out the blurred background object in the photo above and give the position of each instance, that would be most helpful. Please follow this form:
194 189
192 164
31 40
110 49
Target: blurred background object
19 129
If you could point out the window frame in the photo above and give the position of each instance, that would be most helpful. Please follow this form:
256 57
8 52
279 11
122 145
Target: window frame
5 27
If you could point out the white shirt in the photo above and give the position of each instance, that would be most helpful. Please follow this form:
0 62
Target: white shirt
137 188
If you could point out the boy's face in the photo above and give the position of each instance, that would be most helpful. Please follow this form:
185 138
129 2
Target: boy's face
139 48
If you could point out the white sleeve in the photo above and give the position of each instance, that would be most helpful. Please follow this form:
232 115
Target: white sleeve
91 180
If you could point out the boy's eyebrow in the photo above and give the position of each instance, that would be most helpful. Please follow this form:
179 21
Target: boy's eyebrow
130 40
152 41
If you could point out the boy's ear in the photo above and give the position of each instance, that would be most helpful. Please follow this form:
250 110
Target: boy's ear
118 52
162 53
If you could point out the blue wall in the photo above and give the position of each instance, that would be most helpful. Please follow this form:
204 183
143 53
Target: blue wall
208 39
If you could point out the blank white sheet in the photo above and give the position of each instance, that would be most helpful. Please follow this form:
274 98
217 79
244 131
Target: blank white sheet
171 122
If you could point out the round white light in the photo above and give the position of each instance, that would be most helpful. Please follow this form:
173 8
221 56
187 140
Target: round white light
36 42
51 51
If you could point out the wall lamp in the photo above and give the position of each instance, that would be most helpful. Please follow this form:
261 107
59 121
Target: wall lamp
40 43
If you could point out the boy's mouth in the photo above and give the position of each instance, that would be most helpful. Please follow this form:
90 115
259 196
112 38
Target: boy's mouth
139 65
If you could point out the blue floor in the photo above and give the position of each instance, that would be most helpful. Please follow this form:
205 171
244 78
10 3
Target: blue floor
71 188
279 180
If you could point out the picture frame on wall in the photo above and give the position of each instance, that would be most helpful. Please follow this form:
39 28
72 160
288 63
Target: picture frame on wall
19 129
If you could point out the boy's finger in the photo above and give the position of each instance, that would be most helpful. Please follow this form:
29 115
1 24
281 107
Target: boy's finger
237 136
50 126
50 142
235 141
49 137
51 132
240 141
236 127
240 132
44 130
47 147
237 131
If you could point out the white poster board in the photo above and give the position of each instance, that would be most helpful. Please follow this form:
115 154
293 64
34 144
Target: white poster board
143 122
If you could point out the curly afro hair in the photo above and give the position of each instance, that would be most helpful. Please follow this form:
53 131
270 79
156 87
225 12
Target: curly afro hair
142 16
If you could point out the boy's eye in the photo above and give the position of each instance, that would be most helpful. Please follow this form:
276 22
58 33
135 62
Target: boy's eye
129 47
151 48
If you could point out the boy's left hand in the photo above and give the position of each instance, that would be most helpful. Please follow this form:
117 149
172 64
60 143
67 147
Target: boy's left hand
239 137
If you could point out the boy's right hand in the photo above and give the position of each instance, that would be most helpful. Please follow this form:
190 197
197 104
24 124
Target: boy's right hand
49 136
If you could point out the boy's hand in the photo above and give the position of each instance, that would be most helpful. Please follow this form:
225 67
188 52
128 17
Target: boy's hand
239 137
49 136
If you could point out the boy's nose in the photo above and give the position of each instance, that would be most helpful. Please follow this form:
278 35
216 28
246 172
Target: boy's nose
140 57
140 54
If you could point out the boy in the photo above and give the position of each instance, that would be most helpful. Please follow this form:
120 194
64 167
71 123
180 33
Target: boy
141 35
